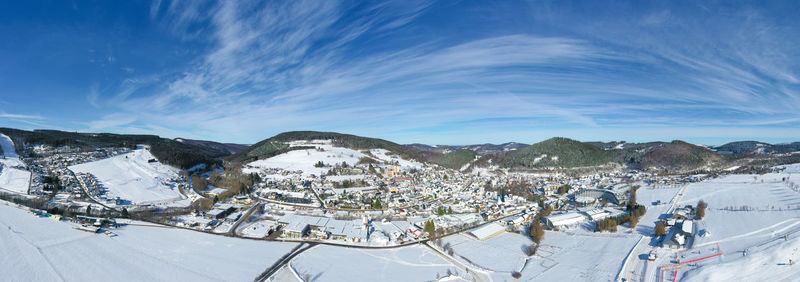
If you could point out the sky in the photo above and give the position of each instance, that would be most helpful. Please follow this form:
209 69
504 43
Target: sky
449 72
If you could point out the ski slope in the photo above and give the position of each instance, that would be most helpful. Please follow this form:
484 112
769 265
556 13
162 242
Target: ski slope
42 249
132 177
12 179
9 157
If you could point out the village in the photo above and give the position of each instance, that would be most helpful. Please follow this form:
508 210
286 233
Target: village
387 203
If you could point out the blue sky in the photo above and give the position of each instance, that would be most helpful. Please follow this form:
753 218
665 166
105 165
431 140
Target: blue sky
451 72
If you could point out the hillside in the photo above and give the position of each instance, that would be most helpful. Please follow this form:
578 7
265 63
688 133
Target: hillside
744 148
456 159
484 149
165 150
231 148
559 152
678 155
277 144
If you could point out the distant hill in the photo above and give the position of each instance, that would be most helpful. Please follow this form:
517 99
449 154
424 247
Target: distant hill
559 152
678 156
277 144
456 159
743 148
487 148
231 148
675 156
165 150
429 148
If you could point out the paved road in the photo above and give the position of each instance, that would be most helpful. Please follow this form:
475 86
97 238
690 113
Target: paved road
284 260
244 218
479 276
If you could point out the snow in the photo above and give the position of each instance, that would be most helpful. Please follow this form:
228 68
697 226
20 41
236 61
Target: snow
771 264
500 255
42 249
743 210
131 177
15 180
304 160
576 257
386 155
412 263
258 229
561 257
10 157
487 231
12 179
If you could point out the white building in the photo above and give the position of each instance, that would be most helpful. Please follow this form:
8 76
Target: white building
569 219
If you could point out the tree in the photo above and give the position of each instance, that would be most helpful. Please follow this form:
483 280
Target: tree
531 249
449 210
89 210
199 183
125 213
701 209
612 225
632 201
661 229
563 189
429 228
536 231
546 211
634 220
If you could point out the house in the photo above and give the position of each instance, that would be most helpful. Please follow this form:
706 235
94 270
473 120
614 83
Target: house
220 212
681 237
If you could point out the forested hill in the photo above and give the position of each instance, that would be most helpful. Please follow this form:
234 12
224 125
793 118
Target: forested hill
168 151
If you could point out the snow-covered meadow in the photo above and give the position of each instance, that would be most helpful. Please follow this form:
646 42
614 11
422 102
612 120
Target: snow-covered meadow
42 249
412 263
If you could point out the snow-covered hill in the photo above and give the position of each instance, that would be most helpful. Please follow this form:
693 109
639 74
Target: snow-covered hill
12 179
304 160
133 177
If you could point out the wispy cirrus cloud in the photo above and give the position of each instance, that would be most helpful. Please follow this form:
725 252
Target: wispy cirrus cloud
369 69
20 116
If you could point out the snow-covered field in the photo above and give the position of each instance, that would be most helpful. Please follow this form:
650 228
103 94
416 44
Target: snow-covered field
745 212
502 254
15 180
304 160
42 249
132 177
413 263
771 264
